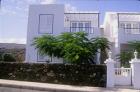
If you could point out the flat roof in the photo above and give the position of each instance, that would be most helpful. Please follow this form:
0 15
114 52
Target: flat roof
122 13
82 12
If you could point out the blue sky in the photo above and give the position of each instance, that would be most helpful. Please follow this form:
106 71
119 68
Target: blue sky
14 13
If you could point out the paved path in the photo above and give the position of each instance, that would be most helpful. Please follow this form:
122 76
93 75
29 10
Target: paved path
20 86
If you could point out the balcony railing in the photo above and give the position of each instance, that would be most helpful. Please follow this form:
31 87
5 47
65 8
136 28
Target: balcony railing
131 30
89 30
122 71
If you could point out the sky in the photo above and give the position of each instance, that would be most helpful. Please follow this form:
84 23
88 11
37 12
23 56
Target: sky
14 14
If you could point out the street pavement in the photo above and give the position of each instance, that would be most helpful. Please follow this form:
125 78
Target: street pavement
22 86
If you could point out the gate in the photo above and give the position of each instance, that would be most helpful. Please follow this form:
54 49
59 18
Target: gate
126 77
123 76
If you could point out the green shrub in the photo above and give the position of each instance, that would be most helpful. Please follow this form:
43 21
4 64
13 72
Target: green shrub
75 48
90 75
8 58
0 57
125 57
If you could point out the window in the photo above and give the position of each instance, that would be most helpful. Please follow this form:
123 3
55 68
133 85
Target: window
88 27
135 25
136 28
77 26
80 26
128 28
74 26
46 23
122 25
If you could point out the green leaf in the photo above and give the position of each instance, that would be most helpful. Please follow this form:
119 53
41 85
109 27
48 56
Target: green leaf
73 47
77 57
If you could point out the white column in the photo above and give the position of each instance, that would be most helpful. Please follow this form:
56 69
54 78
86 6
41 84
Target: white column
135 65
110 71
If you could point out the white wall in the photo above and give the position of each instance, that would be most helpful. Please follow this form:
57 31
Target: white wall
59 24
115 34
135 65
33 25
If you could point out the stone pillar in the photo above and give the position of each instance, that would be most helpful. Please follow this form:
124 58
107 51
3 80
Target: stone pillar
110 71
135 66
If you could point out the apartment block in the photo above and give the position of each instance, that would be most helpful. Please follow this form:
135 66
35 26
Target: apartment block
53 19
121 28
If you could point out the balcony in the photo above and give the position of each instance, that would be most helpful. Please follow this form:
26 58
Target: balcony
91 31
126 35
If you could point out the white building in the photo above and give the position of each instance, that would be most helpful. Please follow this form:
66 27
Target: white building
120 28
52 19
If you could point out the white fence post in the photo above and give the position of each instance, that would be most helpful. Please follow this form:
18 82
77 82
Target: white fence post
110 71
135 65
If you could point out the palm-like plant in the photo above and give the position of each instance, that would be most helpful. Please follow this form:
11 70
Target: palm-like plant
48 45
72 47
77 48
101 45
125 57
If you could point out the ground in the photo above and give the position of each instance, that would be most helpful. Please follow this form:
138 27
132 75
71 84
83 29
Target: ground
21 86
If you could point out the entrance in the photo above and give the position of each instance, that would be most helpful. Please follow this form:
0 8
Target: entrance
123 77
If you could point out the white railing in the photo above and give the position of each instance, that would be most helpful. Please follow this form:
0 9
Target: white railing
89 30
122 71
122 76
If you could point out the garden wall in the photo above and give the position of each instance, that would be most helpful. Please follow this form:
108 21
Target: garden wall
89 75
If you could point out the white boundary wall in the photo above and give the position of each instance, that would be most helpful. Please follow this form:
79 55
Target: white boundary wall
123 76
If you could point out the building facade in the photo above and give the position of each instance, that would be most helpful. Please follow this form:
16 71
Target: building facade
118 27
52 19
121 28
